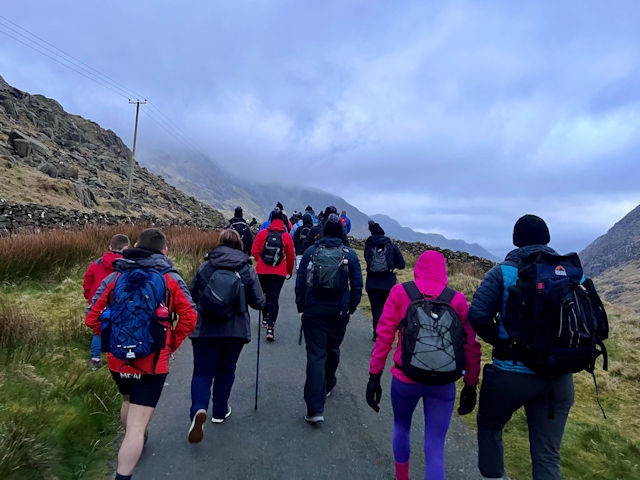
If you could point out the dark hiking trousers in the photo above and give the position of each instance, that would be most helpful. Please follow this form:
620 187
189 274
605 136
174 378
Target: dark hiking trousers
377 297
323 336
271 286
546 401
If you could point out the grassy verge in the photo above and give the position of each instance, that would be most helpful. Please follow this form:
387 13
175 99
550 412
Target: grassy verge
58 420
592 447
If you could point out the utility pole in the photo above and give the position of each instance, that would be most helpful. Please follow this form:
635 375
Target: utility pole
133 152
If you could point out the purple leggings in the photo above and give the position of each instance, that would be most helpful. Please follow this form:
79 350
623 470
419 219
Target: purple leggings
438 402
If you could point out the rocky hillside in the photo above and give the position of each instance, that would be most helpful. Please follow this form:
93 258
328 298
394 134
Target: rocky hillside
51 158
614 261
621 244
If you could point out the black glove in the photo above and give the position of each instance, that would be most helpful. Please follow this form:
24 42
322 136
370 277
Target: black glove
374 391
467 399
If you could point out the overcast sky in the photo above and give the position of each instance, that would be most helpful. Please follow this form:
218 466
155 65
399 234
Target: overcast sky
454 117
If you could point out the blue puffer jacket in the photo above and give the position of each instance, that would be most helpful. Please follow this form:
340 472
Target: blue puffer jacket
314 303
490 299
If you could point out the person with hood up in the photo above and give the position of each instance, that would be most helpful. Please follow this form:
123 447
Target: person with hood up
430 276
96 272
272 276
217 345
378 284
508 384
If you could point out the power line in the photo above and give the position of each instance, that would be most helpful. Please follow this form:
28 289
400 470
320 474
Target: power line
42 46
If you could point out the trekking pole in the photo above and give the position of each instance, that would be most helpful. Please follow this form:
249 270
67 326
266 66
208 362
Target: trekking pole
255 406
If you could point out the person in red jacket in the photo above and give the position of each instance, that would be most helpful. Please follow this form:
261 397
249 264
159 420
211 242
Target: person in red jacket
273 274
97 271
140 381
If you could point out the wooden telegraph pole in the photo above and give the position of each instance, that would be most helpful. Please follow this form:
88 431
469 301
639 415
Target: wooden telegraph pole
133 152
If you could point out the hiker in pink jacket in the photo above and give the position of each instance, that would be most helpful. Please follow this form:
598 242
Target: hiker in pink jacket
430 275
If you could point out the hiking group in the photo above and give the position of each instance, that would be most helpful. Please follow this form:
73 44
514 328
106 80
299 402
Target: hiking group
542 317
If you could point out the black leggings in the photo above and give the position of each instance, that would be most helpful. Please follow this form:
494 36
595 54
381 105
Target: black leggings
271 285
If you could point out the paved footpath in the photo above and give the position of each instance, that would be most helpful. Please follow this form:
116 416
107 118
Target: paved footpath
274 441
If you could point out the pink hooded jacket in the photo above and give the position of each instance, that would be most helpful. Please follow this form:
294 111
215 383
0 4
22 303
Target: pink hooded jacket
430 274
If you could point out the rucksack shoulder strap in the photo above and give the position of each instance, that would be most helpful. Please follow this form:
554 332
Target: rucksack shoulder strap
412 290
447 294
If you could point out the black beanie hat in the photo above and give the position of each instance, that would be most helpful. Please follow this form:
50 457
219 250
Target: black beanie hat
238 211
279 205
332 227
375 228
329 210
530 230
276 214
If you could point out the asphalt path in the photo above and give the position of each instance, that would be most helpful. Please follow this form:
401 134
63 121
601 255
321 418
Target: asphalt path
274 441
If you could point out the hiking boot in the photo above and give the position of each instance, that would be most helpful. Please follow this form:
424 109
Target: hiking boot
270 337
220 420
313 418
196 431
95 364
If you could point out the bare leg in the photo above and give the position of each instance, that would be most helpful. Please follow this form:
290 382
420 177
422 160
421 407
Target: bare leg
138 417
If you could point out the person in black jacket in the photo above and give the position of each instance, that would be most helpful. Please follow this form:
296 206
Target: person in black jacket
379 284
325 314
217 346
302 238
240 225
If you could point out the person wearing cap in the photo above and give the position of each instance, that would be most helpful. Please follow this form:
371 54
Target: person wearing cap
240 225
378 285
325 315
507 384
272 277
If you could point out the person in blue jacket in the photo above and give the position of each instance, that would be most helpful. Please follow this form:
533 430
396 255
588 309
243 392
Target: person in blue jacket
508 384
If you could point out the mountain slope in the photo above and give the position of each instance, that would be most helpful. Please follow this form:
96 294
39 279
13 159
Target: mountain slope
621 244
209 182
52 158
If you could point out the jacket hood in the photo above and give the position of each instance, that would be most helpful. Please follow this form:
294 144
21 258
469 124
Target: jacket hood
431 266
276 225
518 254
237 219
330 241
141 257
108 258
377 240
225 256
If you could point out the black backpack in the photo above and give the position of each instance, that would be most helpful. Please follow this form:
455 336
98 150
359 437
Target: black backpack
273 251
554 317
379 258
223 296
245 234
328 269
432 338
303 233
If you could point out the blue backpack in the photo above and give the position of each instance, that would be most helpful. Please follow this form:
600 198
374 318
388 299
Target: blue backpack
130 327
